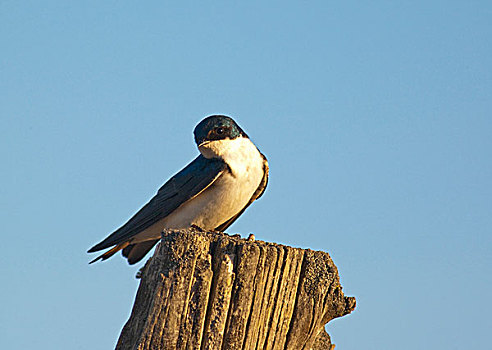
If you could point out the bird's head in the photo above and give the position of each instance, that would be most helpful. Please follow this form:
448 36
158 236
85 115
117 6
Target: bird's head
215 134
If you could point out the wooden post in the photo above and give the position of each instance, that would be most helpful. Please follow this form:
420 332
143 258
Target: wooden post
204 290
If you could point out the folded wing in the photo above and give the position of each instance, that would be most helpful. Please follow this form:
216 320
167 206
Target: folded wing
185 185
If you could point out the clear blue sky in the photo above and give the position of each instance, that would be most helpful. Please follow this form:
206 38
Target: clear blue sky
375 117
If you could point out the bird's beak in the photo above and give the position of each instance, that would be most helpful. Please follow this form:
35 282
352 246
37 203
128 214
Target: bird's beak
206 150
204 143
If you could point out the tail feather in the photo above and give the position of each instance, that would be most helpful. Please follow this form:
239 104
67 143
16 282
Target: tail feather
136 252
111 252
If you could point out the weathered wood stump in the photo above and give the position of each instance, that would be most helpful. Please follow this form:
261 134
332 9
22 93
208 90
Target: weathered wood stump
204 290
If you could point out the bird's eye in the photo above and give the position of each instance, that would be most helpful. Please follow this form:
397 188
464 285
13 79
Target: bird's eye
219 131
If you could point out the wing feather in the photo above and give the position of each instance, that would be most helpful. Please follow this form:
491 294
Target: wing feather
185 185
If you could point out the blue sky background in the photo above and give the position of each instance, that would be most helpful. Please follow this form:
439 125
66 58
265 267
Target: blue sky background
375 117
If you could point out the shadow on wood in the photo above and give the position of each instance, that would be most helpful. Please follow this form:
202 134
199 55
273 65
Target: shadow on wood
204 290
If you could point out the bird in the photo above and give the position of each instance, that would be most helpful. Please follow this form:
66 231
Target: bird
210 193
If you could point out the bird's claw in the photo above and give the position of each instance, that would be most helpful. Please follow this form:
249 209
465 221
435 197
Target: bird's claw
140 273
142 270
198 228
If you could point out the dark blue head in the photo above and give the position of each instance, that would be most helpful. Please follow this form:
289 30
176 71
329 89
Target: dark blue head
217 127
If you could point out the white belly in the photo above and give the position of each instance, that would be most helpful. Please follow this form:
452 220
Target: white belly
225 198
220 202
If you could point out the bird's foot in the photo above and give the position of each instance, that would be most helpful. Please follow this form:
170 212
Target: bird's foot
198 228
142 270
140 273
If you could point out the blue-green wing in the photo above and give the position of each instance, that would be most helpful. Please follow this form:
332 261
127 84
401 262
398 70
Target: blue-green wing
186 184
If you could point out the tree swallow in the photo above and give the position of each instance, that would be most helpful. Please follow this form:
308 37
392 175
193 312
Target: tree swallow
211 192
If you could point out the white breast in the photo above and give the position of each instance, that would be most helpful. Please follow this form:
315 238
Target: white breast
227 196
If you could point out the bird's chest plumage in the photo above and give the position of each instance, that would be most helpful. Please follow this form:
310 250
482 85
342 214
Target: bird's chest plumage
229 193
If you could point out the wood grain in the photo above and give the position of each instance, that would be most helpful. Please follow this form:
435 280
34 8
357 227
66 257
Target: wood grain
208 290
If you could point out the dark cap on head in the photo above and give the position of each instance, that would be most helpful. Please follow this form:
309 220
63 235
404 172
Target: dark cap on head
217 127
